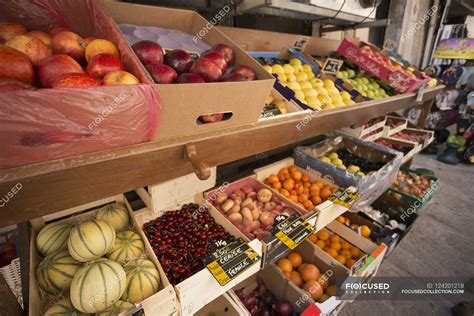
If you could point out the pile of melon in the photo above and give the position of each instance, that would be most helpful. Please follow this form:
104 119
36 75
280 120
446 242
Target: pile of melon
98 262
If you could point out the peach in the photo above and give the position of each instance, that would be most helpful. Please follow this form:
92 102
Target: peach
221 198
227 205
234 209
238 200
269 206
246 202
254 225
240 194
235 218
264 195
255 213
9 30
247 214
246 189
252 195
31 47
99 46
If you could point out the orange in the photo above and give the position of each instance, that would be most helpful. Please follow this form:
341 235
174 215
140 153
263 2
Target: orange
287 274
316 200
313 238
321 244
300 269
273 178
308 205
295 259
355 252
323 235
314 289
284 171
350 263
314 186
305 178
310 272
333 253
335 238
306 191
320 184
299 188
315 192
341 259
276 185
293 192
335 245
346 253
285 192
297 175
325 193
289 184
345 245
306 184
302 197
341 219
281 177
294 198
293 169
331 290
285 265
296 278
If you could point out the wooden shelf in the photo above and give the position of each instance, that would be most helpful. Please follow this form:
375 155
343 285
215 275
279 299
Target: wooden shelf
56 185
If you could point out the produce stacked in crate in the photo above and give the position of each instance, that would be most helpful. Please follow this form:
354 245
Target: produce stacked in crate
96 262
367 86
415 185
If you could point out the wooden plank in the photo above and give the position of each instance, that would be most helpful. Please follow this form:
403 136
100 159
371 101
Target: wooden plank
61 184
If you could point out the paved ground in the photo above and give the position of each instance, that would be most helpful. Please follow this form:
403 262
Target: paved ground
440 244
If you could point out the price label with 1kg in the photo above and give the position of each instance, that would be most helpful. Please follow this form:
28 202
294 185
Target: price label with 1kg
292 231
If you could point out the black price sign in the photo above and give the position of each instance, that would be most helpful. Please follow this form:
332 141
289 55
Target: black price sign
291 231
230 260
332 66
344 197
300 43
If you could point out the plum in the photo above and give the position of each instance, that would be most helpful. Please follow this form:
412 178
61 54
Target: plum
264 195
227 205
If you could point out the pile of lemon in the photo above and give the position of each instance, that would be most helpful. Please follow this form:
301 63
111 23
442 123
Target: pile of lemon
314 92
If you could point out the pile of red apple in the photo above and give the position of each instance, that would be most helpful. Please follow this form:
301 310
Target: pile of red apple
58 59
385 61
177 66
252 211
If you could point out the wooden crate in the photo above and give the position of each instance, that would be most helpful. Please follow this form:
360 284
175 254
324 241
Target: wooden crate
224 305
368 264
401 125
164 300
361 131
415 148
429 137
190 292
327 211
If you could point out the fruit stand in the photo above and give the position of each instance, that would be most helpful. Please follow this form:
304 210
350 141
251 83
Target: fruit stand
148 195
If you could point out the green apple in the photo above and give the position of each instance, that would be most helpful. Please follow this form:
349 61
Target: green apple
351 73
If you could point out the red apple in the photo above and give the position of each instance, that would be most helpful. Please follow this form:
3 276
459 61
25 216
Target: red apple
190 78
179 60
42 36
162 74
225 51
58 29
102 64
31 47
207 69
100 46
55 66
69 43
15 65
75 80
217 58
9 30
244 70
211 118
120 77
148 52
7 85
234 77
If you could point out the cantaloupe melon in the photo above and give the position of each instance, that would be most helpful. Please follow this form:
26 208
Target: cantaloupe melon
56 271
116 309
128 245
116 215
90 240
53 237
97 286
143 280
63 308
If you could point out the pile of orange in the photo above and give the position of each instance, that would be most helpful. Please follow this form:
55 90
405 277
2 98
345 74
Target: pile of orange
364 231
307 277
336 247
296 186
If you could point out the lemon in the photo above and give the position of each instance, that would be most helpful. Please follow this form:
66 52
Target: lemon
307 68
328 83
282 78
332 90
298 68
310 74
291 78
268 68
277 69
305 85
301 76
310 92
295 61
322 91
288 69
293 85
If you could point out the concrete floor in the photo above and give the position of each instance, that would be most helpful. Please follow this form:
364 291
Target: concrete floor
441 242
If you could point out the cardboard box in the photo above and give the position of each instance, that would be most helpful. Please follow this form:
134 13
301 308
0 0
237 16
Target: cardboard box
164 300
283 289
368 264
223 305
396 79
184 103
327 211
69 122
291 106
362 131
